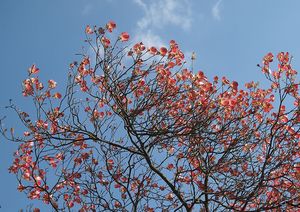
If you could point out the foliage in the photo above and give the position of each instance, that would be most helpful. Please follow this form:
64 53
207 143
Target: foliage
137 131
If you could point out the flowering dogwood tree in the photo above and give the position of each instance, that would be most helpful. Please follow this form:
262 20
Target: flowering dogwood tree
135 130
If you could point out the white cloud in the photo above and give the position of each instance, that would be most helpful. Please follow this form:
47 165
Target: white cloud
161 13
216 10
149 38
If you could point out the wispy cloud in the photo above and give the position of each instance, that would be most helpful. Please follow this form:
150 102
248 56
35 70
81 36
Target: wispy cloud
149 38
216 10
160 13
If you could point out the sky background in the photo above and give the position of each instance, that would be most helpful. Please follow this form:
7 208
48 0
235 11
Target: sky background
229 37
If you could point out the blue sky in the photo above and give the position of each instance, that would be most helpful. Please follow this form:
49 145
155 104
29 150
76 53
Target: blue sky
229 37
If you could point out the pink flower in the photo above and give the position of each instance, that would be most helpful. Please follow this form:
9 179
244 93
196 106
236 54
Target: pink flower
51 84
138 48
57 95
88 30
234 85
163 51
170 166
105 41
28 88
153 50
110 26
33 69
124 36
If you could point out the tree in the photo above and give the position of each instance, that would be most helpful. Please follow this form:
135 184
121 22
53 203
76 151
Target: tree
135 130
